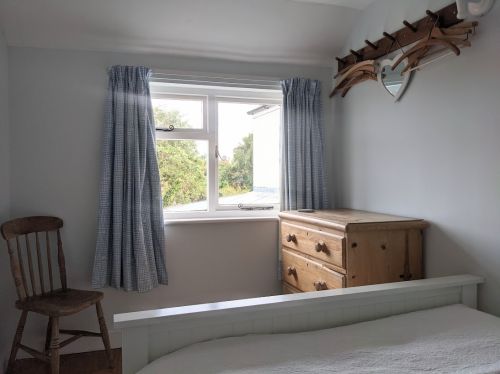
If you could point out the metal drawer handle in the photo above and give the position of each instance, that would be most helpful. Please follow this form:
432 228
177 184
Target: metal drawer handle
291 238
291 270
320 246
320 285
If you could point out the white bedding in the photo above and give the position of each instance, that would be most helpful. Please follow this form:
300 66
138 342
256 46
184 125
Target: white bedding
451 339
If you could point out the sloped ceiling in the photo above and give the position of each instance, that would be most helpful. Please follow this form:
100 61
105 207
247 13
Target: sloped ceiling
355 4
291 31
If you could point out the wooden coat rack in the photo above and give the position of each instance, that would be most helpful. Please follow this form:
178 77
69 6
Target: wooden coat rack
409 34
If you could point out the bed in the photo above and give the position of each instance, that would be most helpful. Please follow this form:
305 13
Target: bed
448 339
428 325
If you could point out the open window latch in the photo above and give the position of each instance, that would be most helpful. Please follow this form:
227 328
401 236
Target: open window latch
169 128
218 155
255 207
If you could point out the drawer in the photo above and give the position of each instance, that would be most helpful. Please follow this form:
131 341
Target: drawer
321 245
287 289
308 275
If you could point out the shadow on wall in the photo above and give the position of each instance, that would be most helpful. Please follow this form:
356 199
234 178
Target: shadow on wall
445 254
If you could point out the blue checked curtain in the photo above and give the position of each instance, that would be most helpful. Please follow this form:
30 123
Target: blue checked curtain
303 182
130 235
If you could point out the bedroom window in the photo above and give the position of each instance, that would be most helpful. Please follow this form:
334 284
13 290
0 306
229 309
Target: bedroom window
218 150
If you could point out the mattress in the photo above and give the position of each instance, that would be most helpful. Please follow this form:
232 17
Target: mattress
451 339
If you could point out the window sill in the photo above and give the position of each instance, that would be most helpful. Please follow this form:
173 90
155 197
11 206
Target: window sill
179 221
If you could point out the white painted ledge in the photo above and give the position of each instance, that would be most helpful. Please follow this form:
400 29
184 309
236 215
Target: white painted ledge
184 221
156 316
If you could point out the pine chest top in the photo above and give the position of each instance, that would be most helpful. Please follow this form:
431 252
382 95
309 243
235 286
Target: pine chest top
350 220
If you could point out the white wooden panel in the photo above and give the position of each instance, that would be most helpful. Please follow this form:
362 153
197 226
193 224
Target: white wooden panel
316 321
469 296
151 334
243 328
262 326
135 349
350 315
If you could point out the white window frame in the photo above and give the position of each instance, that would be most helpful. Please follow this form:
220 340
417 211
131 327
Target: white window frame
209 132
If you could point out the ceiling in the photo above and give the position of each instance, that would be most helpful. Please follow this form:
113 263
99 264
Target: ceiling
291 31
355 4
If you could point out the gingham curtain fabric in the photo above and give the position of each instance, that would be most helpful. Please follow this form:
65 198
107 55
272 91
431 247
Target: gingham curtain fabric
303 182
130 236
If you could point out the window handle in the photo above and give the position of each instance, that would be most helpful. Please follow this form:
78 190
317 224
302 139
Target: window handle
255 207
218 155
168 129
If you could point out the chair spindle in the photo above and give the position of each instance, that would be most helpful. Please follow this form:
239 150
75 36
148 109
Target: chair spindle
30 265
16 271
21 267
49 261
40 265
60 259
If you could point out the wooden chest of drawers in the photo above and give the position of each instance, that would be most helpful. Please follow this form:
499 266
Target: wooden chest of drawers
328 249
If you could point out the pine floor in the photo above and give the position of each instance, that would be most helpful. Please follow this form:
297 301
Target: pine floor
77 363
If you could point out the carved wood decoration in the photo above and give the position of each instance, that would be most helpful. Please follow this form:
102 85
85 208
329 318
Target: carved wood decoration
409 34
432 35
355 74
439 40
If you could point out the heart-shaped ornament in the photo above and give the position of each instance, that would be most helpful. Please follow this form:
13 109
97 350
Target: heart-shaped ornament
392 80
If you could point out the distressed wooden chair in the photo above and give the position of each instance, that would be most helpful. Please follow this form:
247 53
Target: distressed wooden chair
48 301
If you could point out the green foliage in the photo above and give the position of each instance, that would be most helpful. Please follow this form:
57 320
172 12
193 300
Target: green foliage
236 175
183 170
164 119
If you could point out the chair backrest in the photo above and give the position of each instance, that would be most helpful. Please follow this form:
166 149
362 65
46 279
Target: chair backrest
20 235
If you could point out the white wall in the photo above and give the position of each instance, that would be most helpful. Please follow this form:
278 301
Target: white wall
434 155
4 130
6 285
56 100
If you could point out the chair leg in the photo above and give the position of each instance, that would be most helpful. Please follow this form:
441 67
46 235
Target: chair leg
54 346
17 340
48 335
104 333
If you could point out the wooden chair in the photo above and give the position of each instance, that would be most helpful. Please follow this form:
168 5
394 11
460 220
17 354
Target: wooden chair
53 302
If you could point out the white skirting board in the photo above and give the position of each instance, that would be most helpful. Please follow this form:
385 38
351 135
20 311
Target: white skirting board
150 334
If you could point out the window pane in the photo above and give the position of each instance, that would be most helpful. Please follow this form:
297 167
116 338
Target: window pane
183 174
179 112
249 148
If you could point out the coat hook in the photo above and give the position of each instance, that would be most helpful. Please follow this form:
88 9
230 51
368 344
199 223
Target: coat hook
410 26
373 46
389 36
356 54
433 15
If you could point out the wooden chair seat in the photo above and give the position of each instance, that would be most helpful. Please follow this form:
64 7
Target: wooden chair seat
60 302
